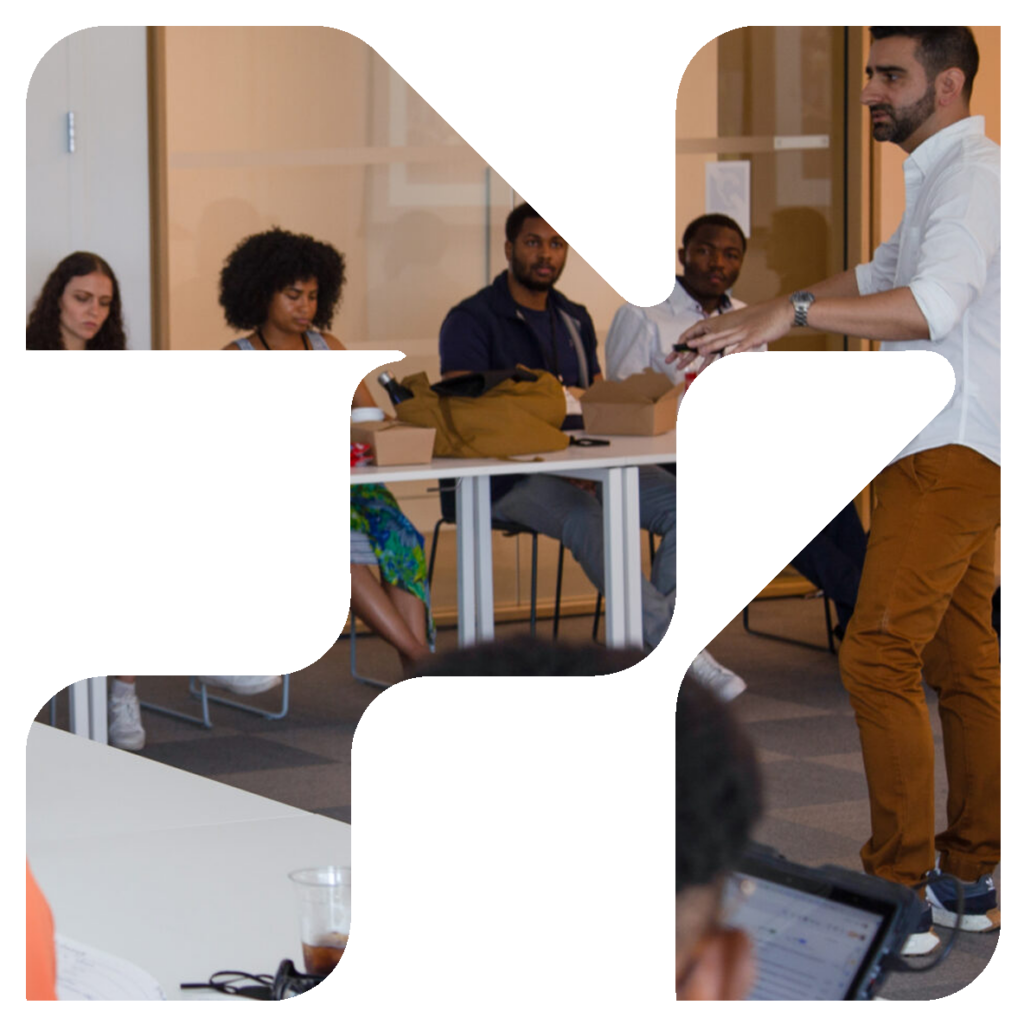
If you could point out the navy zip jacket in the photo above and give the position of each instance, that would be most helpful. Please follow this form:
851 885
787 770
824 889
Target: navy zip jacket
489 331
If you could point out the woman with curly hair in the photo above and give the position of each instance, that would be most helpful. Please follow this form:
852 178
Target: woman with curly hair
283 288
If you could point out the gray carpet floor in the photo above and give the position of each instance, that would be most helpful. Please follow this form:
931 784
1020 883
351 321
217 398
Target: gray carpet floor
799 717
795 709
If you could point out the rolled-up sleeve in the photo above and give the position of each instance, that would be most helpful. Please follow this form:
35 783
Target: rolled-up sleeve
957 245
880 274
627 349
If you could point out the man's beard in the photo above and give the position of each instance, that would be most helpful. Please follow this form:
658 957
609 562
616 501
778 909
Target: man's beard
904 122
521 272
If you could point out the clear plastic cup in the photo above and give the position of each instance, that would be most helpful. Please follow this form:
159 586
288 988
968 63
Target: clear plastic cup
324 900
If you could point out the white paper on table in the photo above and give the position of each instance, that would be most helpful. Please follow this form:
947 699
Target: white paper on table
87 973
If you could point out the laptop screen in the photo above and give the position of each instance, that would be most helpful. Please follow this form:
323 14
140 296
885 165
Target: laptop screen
808 946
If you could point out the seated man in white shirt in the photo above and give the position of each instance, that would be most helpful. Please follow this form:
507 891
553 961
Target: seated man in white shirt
711 254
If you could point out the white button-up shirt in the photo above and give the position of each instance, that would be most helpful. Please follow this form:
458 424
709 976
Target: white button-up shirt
642 336
946 250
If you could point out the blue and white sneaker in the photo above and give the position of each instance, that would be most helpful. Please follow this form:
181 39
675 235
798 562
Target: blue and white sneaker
981 914
923 939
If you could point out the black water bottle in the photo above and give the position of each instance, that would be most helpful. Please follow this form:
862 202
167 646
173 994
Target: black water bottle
396 392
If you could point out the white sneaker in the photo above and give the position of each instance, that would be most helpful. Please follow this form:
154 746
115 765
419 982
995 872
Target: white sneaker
244 685
124 721
921 944
725 684
923 939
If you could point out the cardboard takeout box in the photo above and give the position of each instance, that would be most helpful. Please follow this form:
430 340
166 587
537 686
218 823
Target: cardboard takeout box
644 404
395 444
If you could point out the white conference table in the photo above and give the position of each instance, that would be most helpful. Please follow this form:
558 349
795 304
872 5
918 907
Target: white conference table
178 874
614 467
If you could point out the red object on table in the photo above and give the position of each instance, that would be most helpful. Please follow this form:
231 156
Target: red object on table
359 455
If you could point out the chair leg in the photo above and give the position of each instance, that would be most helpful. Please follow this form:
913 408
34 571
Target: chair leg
597 617
433 552
828 625
252 709
365 680
533 588
788 639
558 591
199 694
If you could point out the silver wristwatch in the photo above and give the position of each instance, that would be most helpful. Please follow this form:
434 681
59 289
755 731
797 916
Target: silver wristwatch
802 302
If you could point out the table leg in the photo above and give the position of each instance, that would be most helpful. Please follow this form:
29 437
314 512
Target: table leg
632 560
88 710
78 697
98 708
484 562
465 543
614 606
622 562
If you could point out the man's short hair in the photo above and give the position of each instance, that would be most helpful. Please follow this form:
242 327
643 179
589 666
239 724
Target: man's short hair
515 220
718 788
718 220
952 46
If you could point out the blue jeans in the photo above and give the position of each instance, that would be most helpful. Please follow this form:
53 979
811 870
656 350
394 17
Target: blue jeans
722 539
553 506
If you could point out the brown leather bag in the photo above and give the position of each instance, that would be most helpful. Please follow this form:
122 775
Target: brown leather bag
499 415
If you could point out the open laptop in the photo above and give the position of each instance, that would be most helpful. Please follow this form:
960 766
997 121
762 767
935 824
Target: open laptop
819 933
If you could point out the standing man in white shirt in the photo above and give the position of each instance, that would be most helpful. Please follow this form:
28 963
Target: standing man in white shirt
925 601
711 255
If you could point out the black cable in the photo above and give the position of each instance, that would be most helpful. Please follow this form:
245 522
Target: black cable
287 982
896 962
226 982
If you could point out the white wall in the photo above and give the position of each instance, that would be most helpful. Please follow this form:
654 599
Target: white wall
96 198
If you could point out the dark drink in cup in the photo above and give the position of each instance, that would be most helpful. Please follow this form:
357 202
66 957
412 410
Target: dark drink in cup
324 901
322 958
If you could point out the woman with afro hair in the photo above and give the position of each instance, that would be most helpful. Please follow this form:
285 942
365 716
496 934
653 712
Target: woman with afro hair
283 289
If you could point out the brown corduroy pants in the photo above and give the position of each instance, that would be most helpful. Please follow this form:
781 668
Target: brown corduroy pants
925 607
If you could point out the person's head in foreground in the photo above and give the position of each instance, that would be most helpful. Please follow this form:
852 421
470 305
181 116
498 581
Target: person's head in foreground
281 283
718 799
919 81
527 656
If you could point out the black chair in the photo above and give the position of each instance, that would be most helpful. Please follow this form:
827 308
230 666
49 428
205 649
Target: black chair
507 529
600 597
810 591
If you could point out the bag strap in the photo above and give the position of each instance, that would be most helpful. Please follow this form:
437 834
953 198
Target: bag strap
322 363
247 359
577 343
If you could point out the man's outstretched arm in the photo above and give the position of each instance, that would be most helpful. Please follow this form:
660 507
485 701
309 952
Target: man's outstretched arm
839 308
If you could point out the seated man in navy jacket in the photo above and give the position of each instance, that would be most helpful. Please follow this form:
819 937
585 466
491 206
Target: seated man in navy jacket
521 319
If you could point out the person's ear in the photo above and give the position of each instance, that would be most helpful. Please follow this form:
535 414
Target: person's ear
508 251
721 967
682 257
949 86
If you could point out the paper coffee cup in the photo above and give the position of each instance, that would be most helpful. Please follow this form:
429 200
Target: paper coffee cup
368 415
